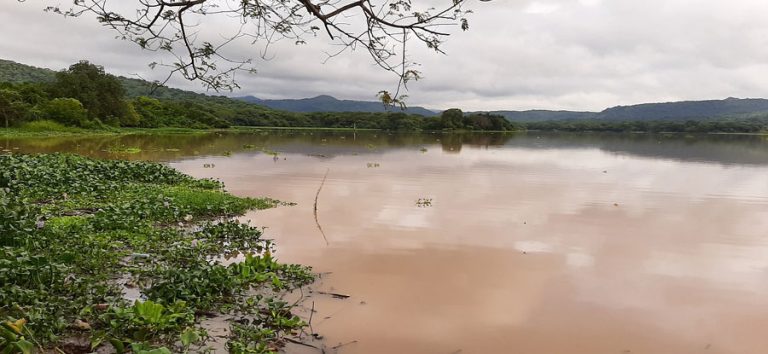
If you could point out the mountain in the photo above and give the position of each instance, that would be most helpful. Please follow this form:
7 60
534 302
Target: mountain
687 110
17 73
708 110
325 103
729 108
543 115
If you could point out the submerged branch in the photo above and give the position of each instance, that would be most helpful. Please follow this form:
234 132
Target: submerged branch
317 222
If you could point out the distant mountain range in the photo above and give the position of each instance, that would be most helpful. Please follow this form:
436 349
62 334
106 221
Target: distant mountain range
325 103
730 108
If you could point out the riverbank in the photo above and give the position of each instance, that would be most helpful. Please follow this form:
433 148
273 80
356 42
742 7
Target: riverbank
133 255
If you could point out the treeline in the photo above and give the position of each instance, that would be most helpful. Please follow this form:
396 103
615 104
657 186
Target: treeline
452 119
87 97
751 125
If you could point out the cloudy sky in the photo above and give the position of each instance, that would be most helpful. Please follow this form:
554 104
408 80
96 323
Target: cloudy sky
518 54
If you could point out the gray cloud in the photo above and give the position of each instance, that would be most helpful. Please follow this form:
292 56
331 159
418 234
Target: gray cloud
518 54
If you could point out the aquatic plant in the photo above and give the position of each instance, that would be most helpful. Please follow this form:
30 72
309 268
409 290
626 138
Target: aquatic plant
76 234
424 202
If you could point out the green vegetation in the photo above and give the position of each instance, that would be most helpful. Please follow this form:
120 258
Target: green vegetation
750 125
77 235
85 96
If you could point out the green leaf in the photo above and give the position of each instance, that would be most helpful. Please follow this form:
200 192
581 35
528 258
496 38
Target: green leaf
25 346
189 336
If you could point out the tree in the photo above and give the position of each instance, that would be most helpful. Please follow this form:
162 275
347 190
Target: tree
12 107
452 118
67 111
382 27
100 93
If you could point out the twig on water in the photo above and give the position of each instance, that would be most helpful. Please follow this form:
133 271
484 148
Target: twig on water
341 345
311 313
316 196
299 342
336 295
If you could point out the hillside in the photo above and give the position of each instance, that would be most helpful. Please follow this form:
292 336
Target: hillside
326 103
727 109
254 111
543 115
17 73
687 110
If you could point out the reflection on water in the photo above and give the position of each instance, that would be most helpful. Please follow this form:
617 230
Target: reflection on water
722 149
533 243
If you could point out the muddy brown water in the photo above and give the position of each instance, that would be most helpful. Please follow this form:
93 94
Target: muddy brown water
533 243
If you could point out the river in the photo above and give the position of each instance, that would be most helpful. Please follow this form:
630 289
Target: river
525 243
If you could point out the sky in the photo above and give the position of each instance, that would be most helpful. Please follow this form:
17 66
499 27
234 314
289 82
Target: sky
517 55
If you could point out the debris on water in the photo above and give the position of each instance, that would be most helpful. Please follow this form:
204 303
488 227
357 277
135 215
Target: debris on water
424 202
343 344
335 295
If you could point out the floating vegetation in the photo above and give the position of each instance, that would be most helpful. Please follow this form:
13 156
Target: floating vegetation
423 150
424 202
269 152
77 234
373 165
370 146
122 149
209 165
227 153
249 146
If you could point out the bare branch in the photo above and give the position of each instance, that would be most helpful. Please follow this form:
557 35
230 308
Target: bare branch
382 27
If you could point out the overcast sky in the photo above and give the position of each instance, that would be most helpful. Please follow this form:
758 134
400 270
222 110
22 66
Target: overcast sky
517 55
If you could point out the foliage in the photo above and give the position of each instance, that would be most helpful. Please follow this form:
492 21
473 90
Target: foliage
75 231
382 28
66 111
46 126
12 107
750 125
12 339
100 93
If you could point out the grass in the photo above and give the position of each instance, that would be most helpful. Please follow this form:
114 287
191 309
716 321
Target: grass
74 230
53 129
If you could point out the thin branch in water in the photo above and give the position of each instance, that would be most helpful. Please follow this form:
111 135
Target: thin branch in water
315 212
341 345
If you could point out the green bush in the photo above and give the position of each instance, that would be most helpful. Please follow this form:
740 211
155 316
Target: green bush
67 111
46 126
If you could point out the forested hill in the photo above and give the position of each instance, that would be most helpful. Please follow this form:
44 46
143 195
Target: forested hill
688 110
730 108
544 115
18 73
326 103
14 72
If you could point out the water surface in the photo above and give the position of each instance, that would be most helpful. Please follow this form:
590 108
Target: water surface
533 243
